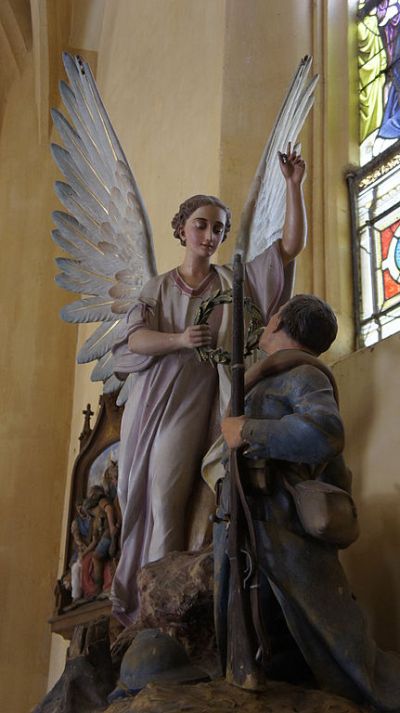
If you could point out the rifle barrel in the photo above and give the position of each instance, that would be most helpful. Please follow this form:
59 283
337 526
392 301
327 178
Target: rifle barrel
238 338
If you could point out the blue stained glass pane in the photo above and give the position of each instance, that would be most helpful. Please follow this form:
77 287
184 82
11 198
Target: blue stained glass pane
397 255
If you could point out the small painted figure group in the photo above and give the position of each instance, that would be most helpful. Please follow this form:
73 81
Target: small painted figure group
95 531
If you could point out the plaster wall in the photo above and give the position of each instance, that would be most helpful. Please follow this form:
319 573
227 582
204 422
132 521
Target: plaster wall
192 89
160 72
369 387
37 368
263 46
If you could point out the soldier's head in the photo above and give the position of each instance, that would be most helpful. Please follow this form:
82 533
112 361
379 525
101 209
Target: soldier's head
305 322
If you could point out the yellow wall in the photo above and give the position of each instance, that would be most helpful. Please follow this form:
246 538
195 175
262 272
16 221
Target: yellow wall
160 72
369 385
192 88
37 358
263 46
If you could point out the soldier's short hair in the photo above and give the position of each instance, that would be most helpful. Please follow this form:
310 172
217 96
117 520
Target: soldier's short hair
310 321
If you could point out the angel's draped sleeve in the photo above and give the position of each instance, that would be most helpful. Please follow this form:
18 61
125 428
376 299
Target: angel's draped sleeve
144 314
269 284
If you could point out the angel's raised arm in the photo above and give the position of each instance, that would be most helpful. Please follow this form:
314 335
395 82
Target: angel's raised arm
294 232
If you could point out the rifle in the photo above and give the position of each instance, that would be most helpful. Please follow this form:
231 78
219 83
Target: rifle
246 642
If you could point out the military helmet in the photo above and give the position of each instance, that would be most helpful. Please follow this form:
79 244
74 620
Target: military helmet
157 658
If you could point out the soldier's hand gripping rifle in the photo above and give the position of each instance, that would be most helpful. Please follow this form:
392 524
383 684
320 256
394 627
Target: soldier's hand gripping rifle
246 642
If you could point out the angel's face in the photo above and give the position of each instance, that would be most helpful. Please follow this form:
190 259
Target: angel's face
204 230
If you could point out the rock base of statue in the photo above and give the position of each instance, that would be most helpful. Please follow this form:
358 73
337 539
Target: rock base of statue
177 598
220 697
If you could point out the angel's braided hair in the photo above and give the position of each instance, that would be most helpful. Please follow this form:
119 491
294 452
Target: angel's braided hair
190 205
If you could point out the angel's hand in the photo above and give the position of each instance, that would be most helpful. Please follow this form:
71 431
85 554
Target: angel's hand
198 335
292 165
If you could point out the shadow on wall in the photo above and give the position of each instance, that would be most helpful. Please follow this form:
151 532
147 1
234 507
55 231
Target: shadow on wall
373 567
369 407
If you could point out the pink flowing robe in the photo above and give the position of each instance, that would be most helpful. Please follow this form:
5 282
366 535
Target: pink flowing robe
167 426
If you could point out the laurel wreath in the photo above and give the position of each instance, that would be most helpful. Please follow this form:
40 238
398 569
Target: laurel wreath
254 329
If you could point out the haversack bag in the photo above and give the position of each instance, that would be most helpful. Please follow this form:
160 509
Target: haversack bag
325 511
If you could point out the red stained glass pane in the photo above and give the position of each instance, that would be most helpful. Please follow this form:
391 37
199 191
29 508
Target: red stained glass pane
386 238
391 288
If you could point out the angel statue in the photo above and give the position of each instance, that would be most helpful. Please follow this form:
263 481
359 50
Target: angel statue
147 335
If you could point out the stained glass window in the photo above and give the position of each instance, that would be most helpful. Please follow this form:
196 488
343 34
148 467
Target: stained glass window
379 76
375 187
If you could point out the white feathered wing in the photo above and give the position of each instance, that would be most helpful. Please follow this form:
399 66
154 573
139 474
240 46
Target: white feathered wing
106 230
